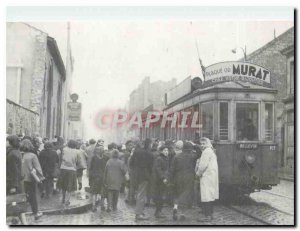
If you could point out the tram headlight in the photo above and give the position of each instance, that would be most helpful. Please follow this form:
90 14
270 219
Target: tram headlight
250 158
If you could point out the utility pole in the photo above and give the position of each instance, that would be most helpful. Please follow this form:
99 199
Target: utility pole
68 83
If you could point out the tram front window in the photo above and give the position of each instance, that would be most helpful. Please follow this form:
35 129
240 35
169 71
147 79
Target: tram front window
247 121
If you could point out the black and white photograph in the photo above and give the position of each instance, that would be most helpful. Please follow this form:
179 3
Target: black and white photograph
150 116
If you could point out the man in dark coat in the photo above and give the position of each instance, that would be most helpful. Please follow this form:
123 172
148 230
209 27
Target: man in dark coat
249 131
160 178
13 165
182 176
141 161
49 162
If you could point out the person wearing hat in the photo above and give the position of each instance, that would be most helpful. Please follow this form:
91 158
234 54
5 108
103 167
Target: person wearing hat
207 170
182 176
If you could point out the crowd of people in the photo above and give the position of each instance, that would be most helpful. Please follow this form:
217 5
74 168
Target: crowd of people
179 173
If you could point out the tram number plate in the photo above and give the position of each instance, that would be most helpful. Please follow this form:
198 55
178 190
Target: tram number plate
272 148
248 146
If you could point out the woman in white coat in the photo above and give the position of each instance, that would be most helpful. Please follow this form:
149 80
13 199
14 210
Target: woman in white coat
207 170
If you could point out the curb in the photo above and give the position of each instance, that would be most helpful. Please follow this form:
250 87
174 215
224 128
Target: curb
286 178
69 210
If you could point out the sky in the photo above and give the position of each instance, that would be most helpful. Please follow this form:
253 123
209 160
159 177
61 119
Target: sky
113 57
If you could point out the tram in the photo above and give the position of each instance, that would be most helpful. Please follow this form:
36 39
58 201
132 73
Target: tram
236 106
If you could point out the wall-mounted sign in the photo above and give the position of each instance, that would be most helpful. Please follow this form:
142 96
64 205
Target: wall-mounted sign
237 71
74 111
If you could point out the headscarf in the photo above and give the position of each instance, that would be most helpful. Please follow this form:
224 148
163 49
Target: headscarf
83 147
179 145
160 143
207 142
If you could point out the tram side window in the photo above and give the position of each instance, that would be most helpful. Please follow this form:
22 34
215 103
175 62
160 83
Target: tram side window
269 121
247 121
207 120
223 121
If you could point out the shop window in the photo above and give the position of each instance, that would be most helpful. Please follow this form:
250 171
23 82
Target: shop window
223 131
207 120
247 121
269 117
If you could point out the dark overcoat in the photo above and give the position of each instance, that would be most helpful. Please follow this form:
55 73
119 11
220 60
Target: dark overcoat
49 161
114 174
160 172
141 163
182 176
96 173
13 169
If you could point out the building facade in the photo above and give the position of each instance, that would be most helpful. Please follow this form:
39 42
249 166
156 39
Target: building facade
35 76
148 96
148 93
289 113
281 66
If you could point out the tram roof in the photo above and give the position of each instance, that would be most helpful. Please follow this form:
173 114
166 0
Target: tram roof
237 86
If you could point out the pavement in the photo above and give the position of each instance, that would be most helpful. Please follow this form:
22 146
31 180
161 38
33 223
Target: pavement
80 201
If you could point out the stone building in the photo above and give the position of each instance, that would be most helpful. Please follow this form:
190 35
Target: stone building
148 97
147 94
35 77
289 125
274 56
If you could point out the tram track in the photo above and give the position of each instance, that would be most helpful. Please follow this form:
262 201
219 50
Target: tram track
264 214
248 215
276 194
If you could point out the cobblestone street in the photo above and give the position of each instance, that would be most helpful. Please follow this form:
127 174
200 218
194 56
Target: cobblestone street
125 216
266 207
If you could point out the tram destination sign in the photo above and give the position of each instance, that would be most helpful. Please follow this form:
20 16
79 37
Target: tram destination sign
237 71
248 146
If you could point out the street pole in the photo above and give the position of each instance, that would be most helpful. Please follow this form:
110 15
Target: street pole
68 83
